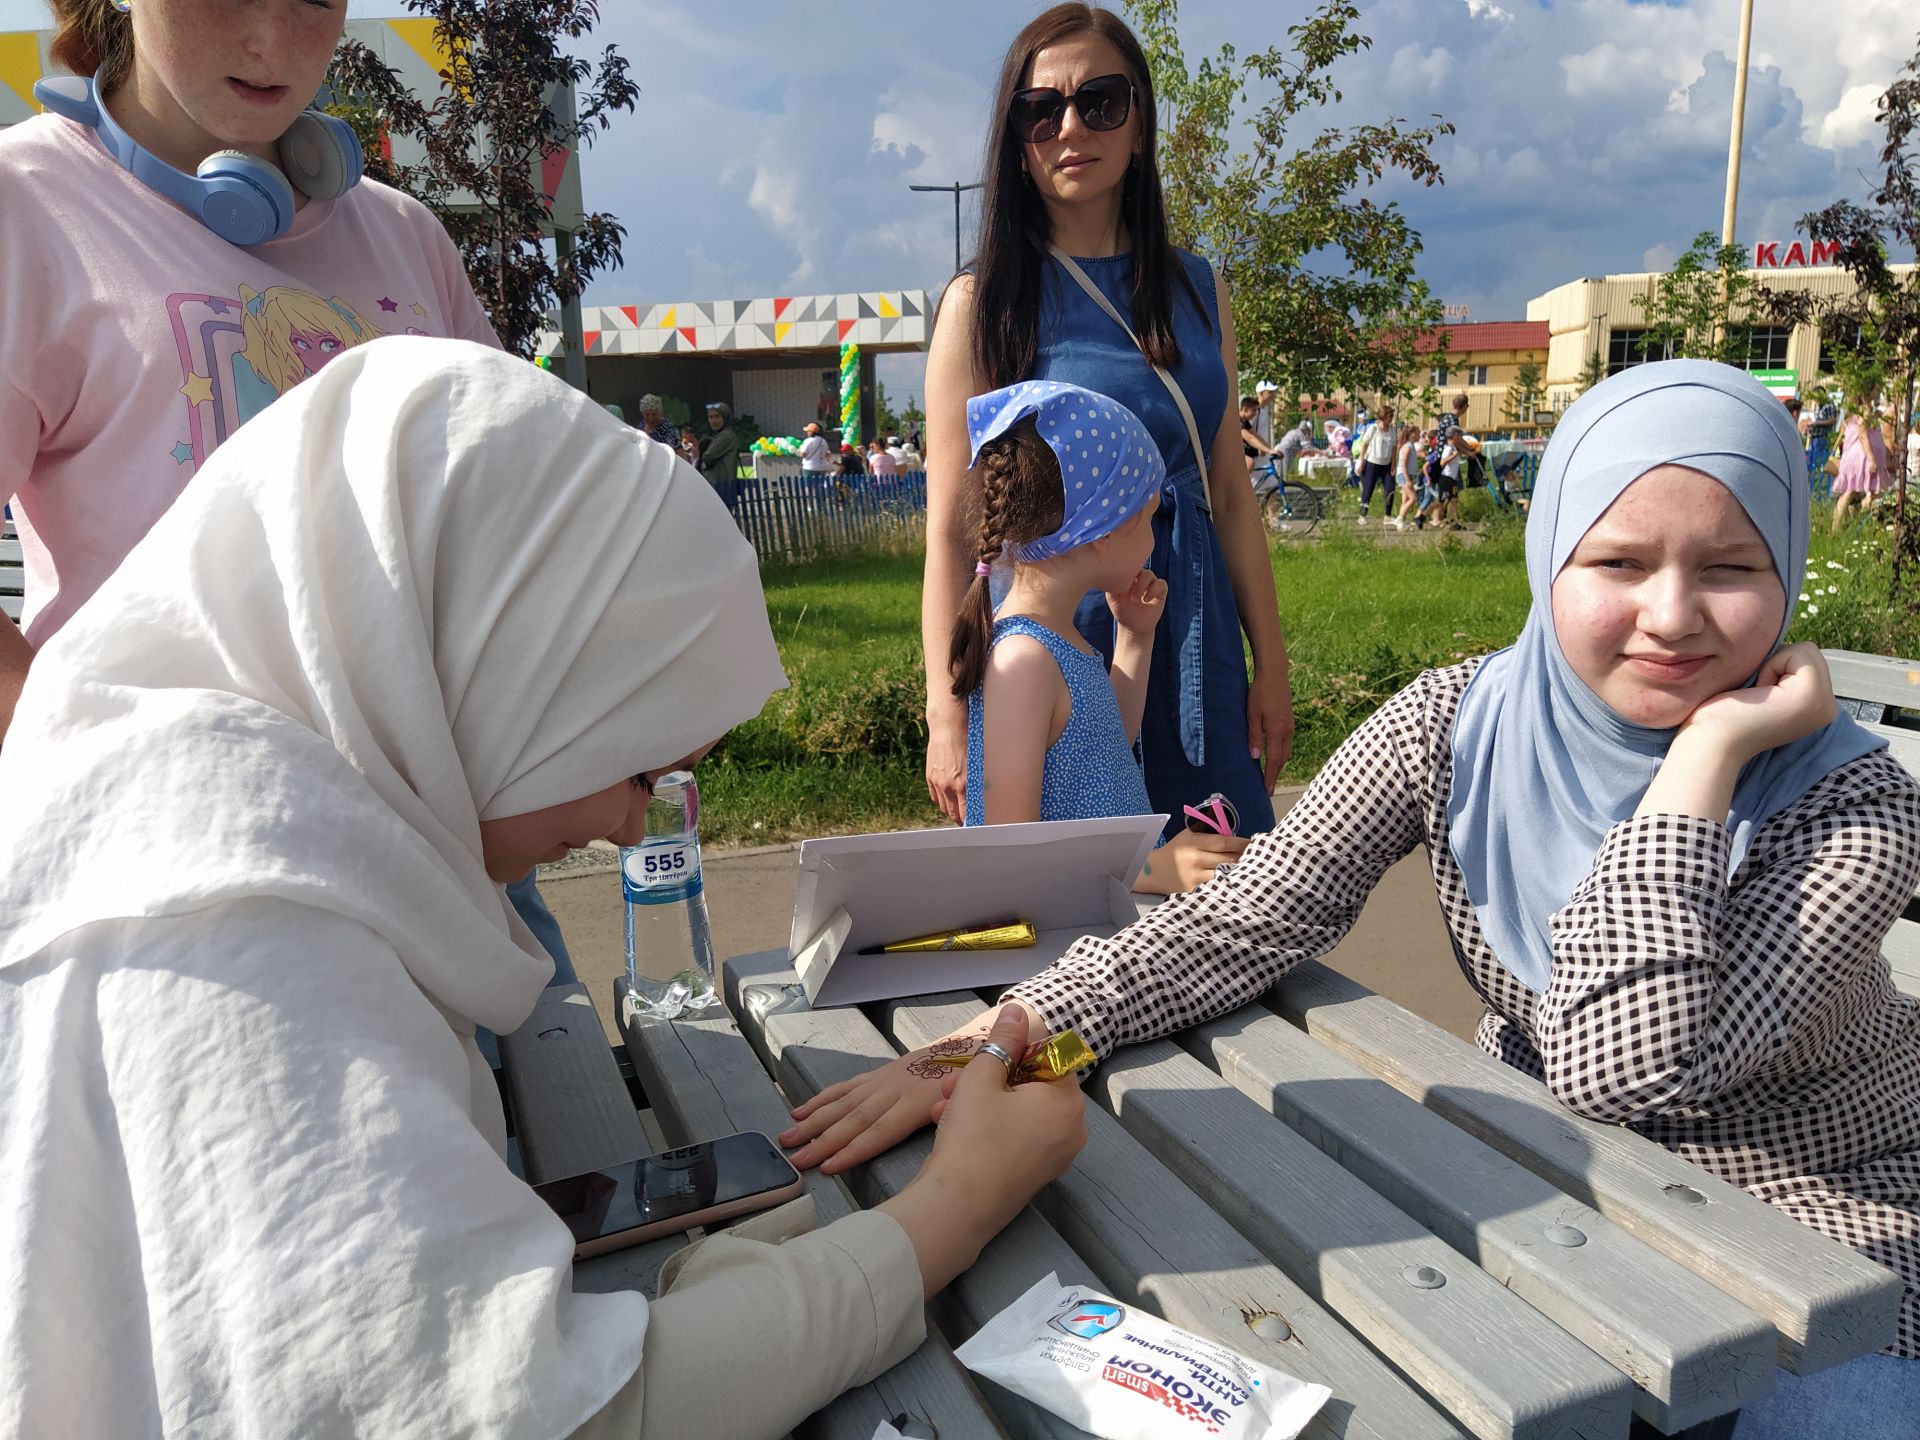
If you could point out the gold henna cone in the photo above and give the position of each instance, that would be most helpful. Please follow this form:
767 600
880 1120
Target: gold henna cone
1014 935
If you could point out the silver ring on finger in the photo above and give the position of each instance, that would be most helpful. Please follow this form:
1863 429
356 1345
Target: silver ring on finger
998 1052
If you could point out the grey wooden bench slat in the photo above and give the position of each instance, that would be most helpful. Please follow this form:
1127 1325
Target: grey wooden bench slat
1133 1216
1902 945
1902 948
825 1046
1692 1351
572 1113
13 579
1881 679
1902 744
1827 1303
1481 1352
1325 1231
13 576
702 1080
809 1050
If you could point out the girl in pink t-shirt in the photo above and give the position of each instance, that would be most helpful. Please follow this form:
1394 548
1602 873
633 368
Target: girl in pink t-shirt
133 339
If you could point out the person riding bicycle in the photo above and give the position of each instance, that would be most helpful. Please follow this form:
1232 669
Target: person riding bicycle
1250 442
1291 445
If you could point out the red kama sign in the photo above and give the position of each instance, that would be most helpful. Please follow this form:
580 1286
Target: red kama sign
1768 254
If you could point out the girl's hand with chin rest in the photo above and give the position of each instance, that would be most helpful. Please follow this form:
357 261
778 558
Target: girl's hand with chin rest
1790 699
1138 608
1187 862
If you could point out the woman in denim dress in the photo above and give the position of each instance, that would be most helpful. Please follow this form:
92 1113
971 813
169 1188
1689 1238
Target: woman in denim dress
1070 170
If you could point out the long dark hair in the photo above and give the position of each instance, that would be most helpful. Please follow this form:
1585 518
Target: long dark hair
1014 231
1021 499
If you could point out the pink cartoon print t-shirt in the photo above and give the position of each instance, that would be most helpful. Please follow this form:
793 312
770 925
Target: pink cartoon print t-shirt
133 340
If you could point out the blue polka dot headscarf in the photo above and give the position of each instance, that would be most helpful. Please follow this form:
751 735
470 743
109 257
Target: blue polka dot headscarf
1109 465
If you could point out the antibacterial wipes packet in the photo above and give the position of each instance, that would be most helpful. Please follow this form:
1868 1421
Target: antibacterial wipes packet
1123 1374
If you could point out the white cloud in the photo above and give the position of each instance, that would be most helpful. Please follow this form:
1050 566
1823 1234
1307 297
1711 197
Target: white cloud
1851 120
1607 69
776 195
1418 68
1592 134
936 120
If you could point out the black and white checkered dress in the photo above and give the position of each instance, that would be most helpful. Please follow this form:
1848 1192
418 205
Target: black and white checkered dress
1750 1026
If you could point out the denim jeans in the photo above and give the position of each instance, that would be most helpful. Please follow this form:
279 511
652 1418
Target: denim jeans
1876 1397
525 895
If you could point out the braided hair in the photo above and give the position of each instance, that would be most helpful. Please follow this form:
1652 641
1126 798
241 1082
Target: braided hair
1020 499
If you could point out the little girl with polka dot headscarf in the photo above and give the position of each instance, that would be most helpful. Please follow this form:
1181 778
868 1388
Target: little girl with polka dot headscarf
1069 480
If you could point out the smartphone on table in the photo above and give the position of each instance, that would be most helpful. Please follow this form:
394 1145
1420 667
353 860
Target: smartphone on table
700 1184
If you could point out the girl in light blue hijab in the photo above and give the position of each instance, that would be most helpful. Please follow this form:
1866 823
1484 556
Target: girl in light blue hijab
1565 735
1649 702
1665 862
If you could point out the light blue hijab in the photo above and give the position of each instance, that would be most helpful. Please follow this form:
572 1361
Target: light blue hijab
1542 767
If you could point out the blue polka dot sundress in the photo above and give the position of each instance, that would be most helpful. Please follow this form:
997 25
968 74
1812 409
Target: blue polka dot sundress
1090 770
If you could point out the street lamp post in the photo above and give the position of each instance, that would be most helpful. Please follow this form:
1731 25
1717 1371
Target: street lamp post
956 188
1733 143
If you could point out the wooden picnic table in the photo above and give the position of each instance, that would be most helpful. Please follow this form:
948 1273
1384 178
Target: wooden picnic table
1322 1181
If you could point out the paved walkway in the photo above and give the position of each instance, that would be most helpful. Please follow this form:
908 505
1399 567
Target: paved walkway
1399 947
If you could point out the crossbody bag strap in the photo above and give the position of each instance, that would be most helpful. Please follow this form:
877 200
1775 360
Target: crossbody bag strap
1173 386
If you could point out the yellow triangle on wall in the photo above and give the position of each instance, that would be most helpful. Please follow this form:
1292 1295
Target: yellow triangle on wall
420 38
780 330
20 64
887 312
666 318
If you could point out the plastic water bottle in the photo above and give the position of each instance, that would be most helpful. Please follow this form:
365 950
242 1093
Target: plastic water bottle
667 928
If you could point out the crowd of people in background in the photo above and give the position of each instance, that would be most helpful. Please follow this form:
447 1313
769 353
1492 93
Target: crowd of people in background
717 453
1852 454
1418 473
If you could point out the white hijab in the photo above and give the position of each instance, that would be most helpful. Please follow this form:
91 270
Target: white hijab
430 586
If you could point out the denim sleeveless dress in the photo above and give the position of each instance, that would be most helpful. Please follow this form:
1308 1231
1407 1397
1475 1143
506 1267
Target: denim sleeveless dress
1194 734
1090 771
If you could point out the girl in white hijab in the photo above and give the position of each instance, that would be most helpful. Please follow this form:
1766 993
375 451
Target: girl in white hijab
425 622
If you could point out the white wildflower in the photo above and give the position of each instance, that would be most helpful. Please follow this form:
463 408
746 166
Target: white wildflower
1835 565
1803 597
1813 609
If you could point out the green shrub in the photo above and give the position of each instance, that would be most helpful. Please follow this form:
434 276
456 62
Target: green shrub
843 748
1846 602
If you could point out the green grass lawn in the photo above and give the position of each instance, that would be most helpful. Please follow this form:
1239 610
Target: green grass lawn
842 748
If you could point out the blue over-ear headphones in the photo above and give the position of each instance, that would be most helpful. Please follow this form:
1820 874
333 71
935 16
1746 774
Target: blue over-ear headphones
242 199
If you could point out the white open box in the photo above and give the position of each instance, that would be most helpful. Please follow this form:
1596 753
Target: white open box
1069 877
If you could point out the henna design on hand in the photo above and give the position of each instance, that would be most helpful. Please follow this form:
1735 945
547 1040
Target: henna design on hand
928 1066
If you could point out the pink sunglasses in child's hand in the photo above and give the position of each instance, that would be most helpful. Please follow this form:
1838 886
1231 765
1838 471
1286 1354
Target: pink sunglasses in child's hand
1215 813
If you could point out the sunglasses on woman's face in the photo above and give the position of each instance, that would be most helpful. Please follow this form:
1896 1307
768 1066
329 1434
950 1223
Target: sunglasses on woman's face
1103 103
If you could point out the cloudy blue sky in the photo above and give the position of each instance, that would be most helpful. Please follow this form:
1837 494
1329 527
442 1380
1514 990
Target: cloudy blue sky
773 144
